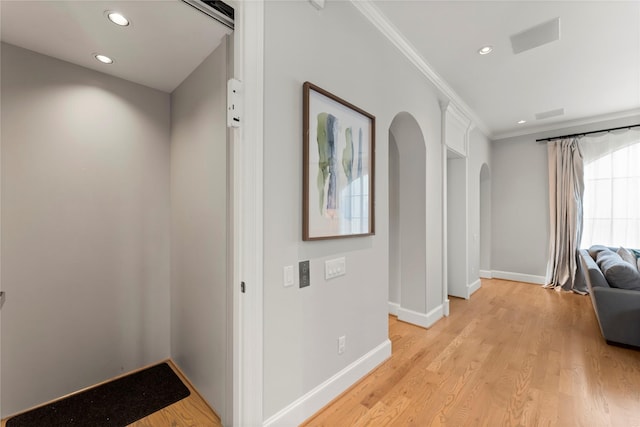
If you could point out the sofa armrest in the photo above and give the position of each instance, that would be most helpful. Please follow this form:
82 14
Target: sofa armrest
592 274
618 312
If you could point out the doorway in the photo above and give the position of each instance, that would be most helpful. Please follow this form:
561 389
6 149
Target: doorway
485 222
407 220
92 228
456 216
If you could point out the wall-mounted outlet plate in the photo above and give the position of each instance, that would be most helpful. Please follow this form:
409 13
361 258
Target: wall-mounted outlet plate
303 269
342 344
335 267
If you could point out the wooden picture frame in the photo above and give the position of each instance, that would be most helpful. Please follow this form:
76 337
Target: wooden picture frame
338 167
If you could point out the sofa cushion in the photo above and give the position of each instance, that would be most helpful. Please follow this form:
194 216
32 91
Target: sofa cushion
596 249
627 256
619 273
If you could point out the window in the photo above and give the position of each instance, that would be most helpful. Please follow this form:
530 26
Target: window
611 206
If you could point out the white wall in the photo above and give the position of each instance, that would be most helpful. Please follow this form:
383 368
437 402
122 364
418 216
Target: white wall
199 232
85 227
520 200
340 51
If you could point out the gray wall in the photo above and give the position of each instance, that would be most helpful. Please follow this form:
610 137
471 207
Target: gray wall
340 51
520 199
395 272
457 205
199 236
412 231
85 227
479 154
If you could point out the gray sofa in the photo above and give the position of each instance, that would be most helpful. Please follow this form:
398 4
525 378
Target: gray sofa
617 309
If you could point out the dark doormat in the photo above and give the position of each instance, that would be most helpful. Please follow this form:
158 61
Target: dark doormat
117 403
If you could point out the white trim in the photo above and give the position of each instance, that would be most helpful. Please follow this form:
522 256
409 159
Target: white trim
567 124
391 32
421 319
518 277
473 287
393 308
248 224
445 308
316 399
486 274
445 223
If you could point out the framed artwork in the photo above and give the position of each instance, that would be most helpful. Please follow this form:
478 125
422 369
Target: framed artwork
338 167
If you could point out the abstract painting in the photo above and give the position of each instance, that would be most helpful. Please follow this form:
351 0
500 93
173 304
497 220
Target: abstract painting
339 161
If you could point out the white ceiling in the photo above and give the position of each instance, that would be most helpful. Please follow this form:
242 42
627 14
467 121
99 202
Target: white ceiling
593 70
166 41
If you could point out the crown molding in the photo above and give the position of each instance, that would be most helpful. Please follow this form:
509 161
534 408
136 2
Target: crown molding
567 124
391 32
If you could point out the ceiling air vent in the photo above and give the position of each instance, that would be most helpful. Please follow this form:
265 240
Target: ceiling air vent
551 113
218 10
539 35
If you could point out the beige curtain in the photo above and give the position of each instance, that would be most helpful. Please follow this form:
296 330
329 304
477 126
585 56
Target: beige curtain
566 188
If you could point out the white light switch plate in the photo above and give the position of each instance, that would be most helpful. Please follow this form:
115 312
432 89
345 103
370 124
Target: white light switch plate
335 267
288 276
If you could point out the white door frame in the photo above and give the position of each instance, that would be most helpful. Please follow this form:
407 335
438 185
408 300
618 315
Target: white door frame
247 146
248 209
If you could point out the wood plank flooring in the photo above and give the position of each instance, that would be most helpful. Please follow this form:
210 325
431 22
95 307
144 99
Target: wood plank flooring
513 355
192 411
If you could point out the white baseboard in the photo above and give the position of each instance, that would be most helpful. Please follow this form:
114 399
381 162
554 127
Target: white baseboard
393 308
316 399
486 274
473 287
445 307
421 319
518 277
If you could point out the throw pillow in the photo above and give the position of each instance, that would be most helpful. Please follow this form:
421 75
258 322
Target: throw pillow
596 249
626 255
619 273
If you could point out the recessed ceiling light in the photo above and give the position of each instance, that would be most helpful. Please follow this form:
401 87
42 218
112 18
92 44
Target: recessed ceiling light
103 58
117 18
521 122
485 50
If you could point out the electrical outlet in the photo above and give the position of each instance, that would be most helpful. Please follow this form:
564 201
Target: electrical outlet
335 267
342 344
303 269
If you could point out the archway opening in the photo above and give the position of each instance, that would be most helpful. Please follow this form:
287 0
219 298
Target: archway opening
485 222
407 220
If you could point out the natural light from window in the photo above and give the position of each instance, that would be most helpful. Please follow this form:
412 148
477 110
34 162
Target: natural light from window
612 190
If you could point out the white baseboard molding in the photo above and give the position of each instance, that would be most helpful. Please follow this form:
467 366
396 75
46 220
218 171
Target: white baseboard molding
486 274
473 287
518 277
393 308
316 399
445 307
421 319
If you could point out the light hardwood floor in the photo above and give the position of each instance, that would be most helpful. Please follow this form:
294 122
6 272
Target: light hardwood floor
513 355
192 411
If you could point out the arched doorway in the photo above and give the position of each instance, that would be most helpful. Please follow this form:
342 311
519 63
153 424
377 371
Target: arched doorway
485 222
407 220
